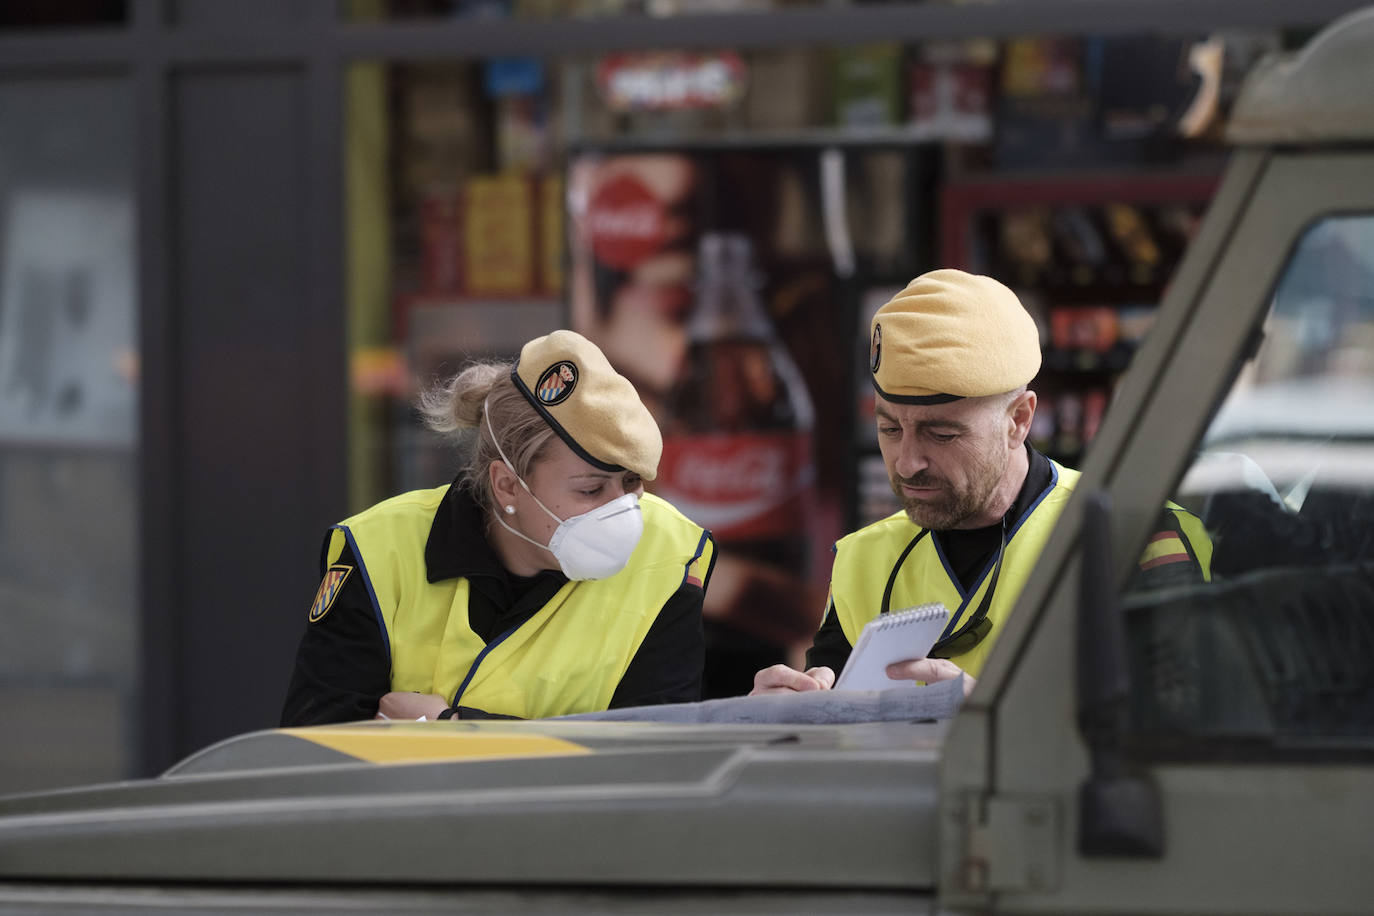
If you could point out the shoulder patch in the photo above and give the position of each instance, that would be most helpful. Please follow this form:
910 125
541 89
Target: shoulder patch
1165 547
330 587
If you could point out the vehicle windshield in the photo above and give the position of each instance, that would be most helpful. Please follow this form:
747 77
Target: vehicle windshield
1277 646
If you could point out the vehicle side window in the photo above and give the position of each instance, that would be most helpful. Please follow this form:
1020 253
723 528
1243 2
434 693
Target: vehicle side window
1277 650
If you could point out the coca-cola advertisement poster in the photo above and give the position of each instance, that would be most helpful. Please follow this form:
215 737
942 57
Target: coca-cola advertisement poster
705 278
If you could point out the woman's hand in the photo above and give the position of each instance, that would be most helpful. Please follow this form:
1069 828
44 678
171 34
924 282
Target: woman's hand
399 705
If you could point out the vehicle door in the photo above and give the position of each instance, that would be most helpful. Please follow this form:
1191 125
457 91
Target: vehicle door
1246 734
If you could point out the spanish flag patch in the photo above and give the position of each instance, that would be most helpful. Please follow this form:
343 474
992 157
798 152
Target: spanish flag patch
330 587
1164 548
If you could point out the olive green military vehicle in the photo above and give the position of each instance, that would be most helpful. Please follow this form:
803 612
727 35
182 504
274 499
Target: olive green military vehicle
1200 749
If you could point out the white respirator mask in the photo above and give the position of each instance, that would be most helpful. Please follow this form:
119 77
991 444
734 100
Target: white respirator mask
593 545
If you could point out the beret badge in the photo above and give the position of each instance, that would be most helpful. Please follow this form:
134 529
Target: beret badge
557 383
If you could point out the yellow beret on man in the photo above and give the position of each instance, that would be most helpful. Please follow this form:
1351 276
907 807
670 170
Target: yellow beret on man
952 335
593 408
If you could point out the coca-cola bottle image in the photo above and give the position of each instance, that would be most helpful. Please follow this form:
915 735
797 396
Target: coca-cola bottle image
738 460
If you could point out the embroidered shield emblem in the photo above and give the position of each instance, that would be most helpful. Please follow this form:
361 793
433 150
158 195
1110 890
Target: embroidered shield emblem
556 383
330 587
875 348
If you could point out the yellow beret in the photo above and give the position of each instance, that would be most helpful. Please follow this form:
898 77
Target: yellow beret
952 335
593 408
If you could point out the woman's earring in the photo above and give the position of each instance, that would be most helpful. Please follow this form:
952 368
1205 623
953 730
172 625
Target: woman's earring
510 510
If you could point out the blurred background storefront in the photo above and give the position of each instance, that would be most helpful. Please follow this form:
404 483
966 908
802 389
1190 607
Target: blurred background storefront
236 238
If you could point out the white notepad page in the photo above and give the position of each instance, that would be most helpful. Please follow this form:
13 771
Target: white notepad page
888 638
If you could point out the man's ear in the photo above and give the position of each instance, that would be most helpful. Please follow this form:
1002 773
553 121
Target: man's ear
504 483
1020 412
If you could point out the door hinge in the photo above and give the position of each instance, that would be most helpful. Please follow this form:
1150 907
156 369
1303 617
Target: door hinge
1009 844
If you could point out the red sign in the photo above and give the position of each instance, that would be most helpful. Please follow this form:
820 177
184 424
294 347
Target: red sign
743 485
626 222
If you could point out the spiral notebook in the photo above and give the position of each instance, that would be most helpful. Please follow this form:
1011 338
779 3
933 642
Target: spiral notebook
888 638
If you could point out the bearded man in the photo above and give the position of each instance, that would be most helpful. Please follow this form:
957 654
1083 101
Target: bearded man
950 357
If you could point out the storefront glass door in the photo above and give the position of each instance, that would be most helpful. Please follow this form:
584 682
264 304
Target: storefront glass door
69 365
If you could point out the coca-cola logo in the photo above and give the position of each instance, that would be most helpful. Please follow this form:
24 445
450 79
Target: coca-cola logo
725 468
752 472
625 222
737 484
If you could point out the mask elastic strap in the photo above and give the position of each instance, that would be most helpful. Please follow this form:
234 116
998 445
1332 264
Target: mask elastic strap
502 522
486 415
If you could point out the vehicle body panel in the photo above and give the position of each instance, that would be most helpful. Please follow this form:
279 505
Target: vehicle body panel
635 803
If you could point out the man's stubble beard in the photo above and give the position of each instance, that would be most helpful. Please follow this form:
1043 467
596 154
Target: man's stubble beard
954 507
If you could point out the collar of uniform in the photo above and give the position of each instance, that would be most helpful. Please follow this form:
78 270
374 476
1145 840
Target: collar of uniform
1039 476
968 551
457 545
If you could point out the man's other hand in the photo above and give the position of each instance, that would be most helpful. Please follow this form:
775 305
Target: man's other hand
782 679
926 671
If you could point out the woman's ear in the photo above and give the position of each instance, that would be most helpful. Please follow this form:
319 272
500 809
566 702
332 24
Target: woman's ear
504 483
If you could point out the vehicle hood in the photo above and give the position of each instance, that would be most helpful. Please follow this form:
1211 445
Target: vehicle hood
494 802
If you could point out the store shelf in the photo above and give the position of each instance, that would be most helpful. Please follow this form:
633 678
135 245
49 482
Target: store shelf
961 201
1088 362
313 32
1090 256
897 136
826 25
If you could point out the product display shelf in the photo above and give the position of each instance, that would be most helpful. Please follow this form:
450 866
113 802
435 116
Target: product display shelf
1090 255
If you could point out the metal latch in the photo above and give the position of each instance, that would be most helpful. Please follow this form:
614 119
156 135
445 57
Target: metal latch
1011 843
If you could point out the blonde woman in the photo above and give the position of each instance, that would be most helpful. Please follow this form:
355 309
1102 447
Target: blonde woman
543 581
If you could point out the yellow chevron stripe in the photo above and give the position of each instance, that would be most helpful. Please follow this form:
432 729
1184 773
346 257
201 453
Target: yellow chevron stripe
414 742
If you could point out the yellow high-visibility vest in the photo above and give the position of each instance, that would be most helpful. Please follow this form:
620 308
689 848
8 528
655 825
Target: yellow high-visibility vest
569 657
865 559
